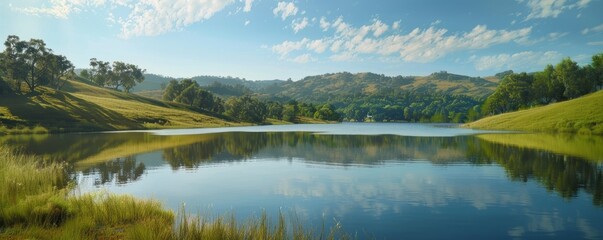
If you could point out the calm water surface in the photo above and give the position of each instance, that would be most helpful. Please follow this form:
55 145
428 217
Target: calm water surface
387 181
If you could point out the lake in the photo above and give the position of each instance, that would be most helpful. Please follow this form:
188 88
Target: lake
378 180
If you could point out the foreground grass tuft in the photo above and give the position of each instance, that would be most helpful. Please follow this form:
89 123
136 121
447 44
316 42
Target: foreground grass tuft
36 202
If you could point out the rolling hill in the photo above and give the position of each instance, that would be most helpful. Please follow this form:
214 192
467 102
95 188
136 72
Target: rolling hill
582 115
83 107
322 87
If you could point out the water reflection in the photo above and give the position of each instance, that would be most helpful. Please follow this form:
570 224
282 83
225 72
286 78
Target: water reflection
499 186
120 171
113 156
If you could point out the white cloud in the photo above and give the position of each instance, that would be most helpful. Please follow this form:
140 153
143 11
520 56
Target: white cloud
598 28
324 24
396 25
61 8
419 45
556 35
145 17
318 46
524 61
343 57
299 24
600 43
247 7
247 22
378 28
289 46
285 10
154 17
583 3
304 58
552 8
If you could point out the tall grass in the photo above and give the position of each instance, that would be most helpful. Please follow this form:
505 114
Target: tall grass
36 202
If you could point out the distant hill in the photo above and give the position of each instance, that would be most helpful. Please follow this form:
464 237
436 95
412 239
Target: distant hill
321 87
332 84
83 107
582 115
154 82
151 82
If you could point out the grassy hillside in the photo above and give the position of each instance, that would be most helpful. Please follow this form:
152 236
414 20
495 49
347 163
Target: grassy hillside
582 115
82 107
322 87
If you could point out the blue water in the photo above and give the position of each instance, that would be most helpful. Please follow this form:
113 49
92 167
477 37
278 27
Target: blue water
383 181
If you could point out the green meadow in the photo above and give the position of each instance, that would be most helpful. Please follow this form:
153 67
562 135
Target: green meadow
581 115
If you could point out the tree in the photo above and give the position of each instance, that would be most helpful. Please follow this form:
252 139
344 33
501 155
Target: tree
513 93
246 109
275 110
188 95
597 70
326 112
101 72
568 72
34 54
545 87
85 74
119 74
290 111
172 90
13 60
58 70
126 75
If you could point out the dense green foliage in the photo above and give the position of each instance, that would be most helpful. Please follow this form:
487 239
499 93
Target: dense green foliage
33 63
120 74
190 93
246 109
557 83
406 106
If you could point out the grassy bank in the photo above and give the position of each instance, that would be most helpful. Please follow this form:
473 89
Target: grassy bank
36 202
581 115
83 107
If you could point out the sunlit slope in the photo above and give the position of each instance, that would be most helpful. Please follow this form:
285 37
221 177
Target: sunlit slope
82 107
587 147
584 115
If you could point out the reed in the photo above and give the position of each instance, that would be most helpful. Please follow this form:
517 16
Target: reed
36 202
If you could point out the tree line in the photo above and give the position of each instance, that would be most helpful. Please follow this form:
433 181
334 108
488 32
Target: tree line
34 64
119 74
564 81
245 108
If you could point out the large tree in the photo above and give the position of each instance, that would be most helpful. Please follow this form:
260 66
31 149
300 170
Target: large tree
13 60
58 71
119 74
573 78
126 75
35 53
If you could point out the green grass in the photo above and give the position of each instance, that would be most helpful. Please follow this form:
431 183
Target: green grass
37 202
582 115
584 146
83 107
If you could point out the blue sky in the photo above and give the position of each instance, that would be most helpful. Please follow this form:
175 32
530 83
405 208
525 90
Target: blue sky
266 39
